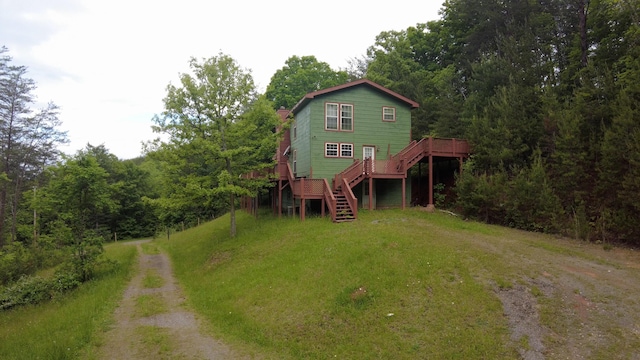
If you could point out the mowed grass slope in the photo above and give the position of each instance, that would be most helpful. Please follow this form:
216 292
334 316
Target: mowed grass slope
392 285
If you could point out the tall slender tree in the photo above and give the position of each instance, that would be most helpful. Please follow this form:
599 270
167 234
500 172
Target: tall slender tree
28 140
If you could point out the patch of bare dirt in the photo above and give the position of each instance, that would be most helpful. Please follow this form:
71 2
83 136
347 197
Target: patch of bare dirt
570 299
177 331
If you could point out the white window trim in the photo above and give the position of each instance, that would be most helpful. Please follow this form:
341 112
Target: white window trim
326 152
339 117
388 108
351 151
338 150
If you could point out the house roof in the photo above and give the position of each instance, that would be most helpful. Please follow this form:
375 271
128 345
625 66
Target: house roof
362 82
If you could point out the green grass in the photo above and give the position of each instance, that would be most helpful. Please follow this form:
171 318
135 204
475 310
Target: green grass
60 329
150 249
152 280
156 342
291 289
149 305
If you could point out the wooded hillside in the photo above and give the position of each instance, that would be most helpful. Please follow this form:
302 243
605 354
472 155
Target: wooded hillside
547 92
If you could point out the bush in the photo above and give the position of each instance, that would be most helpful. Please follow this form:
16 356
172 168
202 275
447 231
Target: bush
16 260
523 199
34 289
27 290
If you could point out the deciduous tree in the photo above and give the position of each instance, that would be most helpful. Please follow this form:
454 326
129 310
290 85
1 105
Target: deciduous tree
214 123
299 76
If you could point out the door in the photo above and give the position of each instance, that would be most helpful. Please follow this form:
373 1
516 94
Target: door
369 152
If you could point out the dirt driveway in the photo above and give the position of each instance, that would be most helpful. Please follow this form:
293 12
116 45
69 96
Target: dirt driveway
569 299
152 322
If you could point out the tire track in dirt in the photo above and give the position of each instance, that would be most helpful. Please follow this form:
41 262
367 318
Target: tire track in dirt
568 299
173 334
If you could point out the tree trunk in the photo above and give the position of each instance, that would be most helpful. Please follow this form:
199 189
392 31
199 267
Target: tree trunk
583 7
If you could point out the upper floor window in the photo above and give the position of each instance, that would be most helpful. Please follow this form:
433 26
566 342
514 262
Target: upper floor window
338 117
295 131
388 114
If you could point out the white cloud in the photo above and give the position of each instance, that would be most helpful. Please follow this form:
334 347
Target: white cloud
107 63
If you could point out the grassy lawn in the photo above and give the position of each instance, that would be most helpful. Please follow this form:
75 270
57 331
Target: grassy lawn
62 328
393 284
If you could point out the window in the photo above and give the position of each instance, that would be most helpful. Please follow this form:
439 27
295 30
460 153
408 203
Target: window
342 150
332 117
295 131
295 161
346 150
388 114
331 150
338 117
346 117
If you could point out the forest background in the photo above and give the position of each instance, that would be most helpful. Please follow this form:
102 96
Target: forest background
547 92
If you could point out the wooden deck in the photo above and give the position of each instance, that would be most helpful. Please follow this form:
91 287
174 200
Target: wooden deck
339 191
338 197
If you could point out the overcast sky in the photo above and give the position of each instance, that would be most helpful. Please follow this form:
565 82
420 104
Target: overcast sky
107 63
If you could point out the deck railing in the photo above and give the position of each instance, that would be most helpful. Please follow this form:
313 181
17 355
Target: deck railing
351 199
330 199
352 173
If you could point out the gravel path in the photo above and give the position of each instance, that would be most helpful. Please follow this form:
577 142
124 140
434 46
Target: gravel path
172 333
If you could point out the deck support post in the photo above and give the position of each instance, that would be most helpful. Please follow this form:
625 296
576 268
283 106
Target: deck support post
404 192
279 198
370 193
430 206
302 200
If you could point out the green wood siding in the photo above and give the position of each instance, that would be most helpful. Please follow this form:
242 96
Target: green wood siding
301 143
368 129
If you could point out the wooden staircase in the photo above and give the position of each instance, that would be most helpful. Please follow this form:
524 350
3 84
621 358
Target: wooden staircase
343 211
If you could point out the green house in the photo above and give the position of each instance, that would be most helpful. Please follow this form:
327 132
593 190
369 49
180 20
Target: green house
350 147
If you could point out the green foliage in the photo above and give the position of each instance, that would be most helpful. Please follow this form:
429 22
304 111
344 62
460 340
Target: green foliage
35 289
439 196
217 131
28 140
513 77
64 328
300 76
524 200
27 290
85 255
15 261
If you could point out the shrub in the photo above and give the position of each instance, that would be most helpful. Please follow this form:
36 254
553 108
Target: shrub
27 290
15 260
34 289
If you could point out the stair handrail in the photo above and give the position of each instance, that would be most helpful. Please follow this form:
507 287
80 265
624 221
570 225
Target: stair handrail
401 153
352 200
349 173
291 179
401 158
330 199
